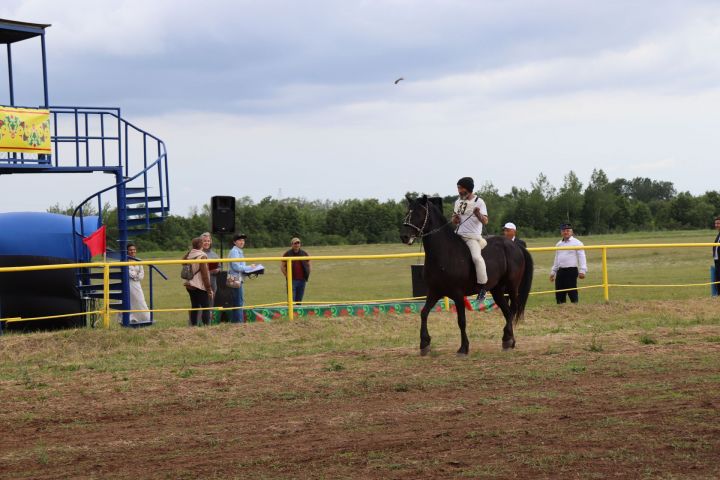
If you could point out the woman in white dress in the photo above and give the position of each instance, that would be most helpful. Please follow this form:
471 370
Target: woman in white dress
137 297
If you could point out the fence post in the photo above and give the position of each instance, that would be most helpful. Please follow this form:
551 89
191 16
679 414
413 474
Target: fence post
291 311
106 295
606 287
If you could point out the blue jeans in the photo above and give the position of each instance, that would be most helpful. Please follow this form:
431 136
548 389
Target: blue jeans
238 298
298 287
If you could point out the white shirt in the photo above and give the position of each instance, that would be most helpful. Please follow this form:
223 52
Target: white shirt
569 258
715 249
469 223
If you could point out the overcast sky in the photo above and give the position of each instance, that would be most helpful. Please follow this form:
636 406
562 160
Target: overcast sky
297 99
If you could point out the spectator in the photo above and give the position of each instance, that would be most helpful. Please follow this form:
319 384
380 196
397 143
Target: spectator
199 287
716 256
238 269
568 265
300 269
214 268
137 297
509 231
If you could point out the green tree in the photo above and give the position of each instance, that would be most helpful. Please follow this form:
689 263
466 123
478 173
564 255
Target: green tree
600 205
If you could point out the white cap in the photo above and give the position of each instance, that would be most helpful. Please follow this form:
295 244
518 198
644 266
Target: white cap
509 226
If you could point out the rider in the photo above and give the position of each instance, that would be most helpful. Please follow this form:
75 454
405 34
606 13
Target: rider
470 214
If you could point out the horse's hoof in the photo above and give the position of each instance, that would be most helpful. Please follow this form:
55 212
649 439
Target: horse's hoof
508 344
461 354
424 351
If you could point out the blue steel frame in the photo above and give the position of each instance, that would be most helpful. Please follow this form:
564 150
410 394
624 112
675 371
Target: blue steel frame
10 32
120 169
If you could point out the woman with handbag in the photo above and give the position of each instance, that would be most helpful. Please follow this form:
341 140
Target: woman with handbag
199 287
235 277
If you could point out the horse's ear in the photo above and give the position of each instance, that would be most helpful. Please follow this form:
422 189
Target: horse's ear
423 199
409 198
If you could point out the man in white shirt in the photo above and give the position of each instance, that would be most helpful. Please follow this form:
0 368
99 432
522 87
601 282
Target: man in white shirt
716 256
568 265
470 214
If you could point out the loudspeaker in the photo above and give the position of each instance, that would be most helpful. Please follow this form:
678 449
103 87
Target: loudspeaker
223 214
419 289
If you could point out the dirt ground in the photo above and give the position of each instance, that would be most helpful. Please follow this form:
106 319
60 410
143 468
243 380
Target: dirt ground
559 406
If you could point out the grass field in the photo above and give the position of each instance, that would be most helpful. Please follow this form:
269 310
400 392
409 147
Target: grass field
624 390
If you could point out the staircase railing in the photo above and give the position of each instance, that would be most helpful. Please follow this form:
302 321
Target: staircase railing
78 214
96 139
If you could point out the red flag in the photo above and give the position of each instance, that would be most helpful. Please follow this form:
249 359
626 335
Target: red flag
96 241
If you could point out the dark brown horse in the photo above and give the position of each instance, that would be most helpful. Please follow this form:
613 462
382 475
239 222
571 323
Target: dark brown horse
450 272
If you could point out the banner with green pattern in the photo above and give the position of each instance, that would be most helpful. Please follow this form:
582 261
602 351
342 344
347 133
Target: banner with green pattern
358 310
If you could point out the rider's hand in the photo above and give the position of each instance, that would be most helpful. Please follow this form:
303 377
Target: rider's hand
552 278
456 218
581 276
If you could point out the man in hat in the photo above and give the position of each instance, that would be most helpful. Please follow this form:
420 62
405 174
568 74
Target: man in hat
510 230
470 214
300 269
239 269
569 265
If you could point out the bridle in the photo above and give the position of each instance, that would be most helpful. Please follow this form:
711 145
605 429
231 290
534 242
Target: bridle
421 230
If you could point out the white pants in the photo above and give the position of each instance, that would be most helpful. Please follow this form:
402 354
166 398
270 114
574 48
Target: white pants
476 244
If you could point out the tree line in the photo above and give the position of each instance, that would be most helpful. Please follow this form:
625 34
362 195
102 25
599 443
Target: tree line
602 206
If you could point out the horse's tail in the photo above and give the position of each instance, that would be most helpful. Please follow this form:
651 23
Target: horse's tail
525 285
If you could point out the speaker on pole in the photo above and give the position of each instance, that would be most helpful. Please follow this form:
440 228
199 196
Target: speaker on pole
223 214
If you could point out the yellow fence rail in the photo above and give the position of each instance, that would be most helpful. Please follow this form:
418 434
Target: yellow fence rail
106 310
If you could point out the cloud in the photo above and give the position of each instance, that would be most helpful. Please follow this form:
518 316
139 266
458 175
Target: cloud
300 96
224 55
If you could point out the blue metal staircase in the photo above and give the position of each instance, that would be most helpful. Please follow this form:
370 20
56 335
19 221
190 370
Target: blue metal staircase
94 139
141 190
89 139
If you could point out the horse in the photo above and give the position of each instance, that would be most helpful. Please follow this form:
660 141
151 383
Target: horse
450 272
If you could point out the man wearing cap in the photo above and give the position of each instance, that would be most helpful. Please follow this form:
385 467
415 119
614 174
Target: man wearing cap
568 265
509 231
470 214
238 269
300 269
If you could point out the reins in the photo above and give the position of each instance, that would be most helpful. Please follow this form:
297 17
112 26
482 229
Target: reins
420 230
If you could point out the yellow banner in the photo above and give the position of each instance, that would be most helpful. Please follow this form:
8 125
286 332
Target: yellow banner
24 130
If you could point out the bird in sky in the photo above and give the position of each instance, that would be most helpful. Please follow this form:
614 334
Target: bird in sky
398 80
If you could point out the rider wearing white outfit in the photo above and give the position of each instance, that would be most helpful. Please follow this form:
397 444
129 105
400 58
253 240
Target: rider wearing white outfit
470 214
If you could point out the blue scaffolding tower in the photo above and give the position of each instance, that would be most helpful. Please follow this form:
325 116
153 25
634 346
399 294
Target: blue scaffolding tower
96 139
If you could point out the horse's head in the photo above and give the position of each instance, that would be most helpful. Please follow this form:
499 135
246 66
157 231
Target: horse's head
420 220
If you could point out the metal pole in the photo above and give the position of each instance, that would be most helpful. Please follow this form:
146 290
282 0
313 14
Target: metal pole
10 75
291 312
45 78
106 294
606 287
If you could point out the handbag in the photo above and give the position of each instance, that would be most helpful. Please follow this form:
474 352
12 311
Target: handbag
233 281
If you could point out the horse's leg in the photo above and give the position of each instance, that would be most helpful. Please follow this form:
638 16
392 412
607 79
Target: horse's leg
430 302
464 342
508 340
